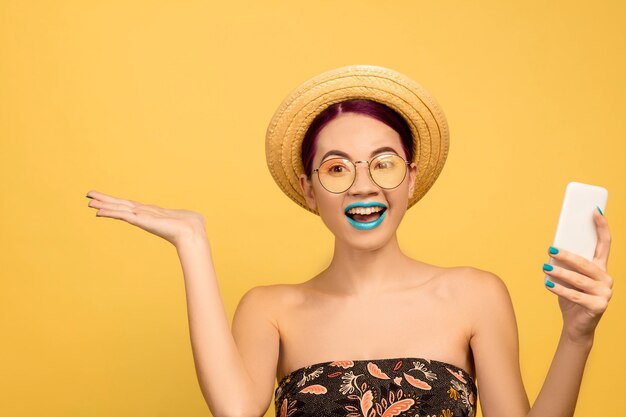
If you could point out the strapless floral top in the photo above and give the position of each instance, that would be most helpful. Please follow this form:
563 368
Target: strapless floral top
377 388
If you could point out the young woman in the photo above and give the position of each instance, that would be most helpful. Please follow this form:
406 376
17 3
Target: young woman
376 333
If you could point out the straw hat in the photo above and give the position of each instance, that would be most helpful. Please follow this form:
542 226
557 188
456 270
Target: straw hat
287 128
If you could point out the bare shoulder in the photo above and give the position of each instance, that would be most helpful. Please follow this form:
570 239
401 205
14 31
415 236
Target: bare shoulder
270 299
480 295
474 278
473 284
273 292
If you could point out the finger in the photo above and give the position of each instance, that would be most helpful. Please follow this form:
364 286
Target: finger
577 263
579 281
97 204
151 208
603 247
125 215
593 303
110 199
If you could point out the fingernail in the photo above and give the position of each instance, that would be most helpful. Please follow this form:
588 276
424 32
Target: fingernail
553 250
547 267
549 284
88 196
600 210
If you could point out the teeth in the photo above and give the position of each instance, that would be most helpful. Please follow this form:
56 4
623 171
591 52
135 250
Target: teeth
365 210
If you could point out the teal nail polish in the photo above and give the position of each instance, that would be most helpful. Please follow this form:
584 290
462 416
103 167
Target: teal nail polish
549 284
88 196
600 210
553 250
547 267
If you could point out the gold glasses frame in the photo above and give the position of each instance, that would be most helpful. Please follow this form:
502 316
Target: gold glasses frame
369 165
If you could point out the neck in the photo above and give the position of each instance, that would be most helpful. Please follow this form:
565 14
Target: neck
364 272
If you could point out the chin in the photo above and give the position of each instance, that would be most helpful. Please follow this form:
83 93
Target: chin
366 244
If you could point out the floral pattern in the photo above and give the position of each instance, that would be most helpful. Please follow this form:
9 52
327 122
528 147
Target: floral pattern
377 388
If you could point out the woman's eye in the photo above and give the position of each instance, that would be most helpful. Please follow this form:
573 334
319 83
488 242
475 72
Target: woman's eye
387 162
336 169
385 165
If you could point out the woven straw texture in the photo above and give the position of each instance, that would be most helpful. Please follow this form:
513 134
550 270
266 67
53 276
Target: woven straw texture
290 122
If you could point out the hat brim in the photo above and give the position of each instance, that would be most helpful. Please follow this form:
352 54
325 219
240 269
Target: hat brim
289 124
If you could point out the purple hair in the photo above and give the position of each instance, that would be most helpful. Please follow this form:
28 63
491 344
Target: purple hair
370 108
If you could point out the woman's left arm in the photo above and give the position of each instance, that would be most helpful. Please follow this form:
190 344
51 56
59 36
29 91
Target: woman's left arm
494 340
582 307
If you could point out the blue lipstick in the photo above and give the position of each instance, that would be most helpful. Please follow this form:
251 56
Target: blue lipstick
366 225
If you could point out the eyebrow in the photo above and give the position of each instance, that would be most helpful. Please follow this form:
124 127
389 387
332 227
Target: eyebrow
345 155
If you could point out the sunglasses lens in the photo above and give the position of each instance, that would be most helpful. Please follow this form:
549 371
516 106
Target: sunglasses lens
336 175
388 171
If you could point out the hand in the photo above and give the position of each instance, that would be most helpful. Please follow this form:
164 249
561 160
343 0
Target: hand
172 225
582 305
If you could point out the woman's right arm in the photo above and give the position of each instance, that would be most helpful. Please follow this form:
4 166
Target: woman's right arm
236 376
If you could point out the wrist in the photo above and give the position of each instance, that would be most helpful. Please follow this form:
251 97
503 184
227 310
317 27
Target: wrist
193 238
578 341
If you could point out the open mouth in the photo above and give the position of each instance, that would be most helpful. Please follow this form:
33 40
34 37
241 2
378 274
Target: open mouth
365 215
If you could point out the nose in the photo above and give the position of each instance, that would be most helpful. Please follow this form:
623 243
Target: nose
363 184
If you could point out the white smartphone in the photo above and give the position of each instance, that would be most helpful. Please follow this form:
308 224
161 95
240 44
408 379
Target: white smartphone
576 231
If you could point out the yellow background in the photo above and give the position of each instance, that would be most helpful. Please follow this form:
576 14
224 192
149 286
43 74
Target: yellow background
168 102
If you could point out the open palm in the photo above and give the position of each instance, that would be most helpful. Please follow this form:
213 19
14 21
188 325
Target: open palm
171 224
